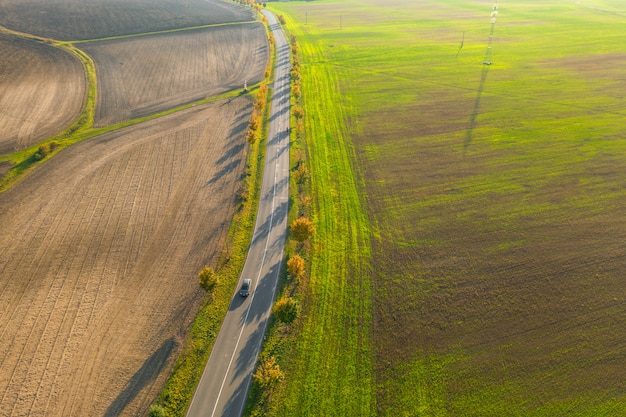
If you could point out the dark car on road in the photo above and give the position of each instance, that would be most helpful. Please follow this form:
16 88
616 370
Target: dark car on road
245 288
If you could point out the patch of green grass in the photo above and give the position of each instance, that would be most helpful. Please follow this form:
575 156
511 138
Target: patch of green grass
493 201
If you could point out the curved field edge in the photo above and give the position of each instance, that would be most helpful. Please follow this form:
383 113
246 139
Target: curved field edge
327 355
22 162
42 90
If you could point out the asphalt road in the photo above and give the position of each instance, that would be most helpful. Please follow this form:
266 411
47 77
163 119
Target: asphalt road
223 388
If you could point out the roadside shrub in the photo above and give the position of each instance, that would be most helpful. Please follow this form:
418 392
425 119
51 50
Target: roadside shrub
301 173
296 91
156 411
301 229
295 73
281 19
261 98
268 374
208 279
252 136
298 112
295 266
255 121
286 310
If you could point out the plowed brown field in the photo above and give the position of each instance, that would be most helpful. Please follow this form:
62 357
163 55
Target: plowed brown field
144 75
79 19
100 249
42 89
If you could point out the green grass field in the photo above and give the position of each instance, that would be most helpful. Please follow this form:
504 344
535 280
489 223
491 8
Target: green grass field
470 217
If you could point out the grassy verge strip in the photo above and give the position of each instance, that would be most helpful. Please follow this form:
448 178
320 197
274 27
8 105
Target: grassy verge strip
326 354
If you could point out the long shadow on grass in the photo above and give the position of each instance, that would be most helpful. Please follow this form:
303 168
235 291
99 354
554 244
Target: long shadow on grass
143 377
472 125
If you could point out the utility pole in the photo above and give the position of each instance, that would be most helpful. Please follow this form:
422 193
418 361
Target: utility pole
494 13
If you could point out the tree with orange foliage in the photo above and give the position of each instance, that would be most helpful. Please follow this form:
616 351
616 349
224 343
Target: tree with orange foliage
301 229
295 266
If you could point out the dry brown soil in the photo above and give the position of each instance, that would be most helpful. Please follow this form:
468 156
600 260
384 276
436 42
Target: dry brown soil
42 90
144 75
80 19
100 250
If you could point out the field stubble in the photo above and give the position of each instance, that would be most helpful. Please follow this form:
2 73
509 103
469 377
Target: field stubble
143 75
99 270
79 20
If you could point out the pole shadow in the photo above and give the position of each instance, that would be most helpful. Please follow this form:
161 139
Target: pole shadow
476 110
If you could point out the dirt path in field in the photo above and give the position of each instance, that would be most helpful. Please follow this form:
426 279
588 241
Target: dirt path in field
100 249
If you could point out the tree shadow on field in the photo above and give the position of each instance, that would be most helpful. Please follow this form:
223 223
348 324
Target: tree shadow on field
228 168
142 378
240 127
231 152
